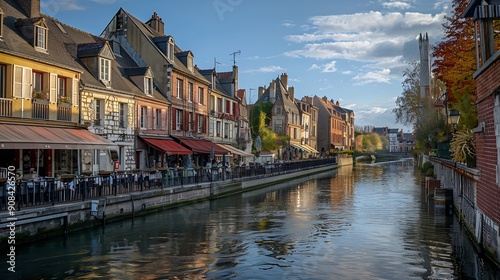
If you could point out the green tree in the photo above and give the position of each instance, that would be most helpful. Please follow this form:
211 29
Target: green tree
260 117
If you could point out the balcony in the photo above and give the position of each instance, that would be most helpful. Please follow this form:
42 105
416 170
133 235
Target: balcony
40 109
5 107
64 112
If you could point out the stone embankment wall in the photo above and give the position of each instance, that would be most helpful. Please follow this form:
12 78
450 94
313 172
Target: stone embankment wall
37 223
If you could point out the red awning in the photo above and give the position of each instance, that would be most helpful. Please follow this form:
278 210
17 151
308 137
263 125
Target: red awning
38 137
168 146
203 146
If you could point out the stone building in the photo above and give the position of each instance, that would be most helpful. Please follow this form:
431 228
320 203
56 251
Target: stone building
40 83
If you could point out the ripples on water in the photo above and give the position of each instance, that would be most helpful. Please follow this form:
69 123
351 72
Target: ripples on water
367 222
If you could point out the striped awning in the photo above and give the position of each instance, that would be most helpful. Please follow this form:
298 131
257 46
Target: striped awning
14 136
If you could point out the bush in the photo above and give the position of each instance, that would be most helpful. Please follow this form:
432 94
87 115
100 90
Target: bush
428 168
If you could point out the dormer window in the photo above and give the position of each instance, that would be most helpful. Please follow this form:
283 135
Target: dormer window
170 49
148 85
41 37
104 70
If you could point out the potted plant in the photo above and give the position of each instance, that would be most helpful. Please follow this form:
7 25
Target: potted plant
463 148
40 96
63 99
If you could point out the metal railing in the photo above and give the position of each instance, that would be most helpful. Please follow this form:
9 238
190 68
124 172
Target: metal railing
48 191
63 113
40 110
5 107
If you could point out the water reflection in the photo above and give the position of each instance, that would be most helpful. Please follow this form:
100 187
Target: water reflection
368 222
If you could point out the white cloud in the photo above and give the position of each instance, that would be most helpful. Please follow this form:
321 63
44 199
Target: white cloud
53 7
288 23
104 1
382 76
396 5
266 69
325 68
384 42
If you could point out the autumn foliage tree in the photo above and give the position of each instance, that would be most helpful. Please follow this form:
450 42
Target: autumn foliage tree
455 56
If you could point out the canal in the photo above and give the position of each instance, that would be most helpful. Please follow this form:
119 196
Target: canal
371 221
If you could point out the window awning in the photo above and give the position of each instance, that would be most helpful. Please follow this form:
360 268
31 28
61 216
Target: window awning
167 145
305 148
14 136
203 146
235 151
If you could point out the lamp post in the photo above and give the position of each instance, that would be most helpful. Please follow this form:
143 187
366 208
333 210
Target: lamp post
454 118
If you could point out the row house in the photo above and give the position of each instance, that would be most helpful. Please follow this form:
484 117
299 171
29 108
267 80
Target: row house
393 137
286 117
309 120
204 107
244 132
40 87
487 134
225 122
339 123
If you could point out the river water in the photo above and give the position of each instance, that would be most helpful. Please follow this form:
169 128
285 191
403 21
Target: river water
366 222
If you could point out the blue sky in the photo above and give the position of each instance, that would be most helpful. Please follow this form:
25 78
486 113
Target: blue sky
353 52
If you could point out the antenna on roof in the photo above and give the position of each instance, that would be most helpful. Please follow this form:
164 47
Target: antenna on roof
215 64
234 57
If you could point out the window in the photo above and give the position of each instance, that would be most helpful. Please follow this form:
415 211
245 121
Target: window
123 115
2 79
278 110
178 119
191 121
158 119
99 112
212 103
148 86
40 37
226 130
228 106
104 69
218 128
201 121
37 82
22 82
190 92
180 85
201 95
219 105
61 87
171 47
144 117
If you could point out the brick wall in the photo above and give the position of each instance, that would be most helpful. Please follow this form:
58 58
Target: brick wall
487 190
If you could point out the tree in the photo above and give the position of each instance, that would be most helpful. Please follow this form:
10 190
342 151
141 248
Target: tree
260 116
408 103
428 122
455 56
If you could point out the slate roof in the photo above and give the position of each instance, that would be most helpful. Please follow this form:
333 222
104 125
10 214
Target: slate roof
15 43
152 35
64 46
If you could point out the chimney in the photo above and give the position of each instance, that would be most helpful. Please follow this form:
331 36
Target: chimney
30 7
291 91
272 92
284 80
261 91
325 99
235 80
156 23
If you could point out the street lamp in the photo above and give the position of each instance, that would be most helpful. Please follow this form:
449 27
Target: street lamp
454 118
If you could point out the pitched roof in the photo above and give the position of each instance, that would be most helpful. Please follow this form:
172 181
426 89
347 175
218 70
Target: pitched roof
152 35
16 43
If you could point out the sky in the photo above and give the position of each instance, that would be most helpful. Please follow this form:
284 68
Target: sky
353 52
